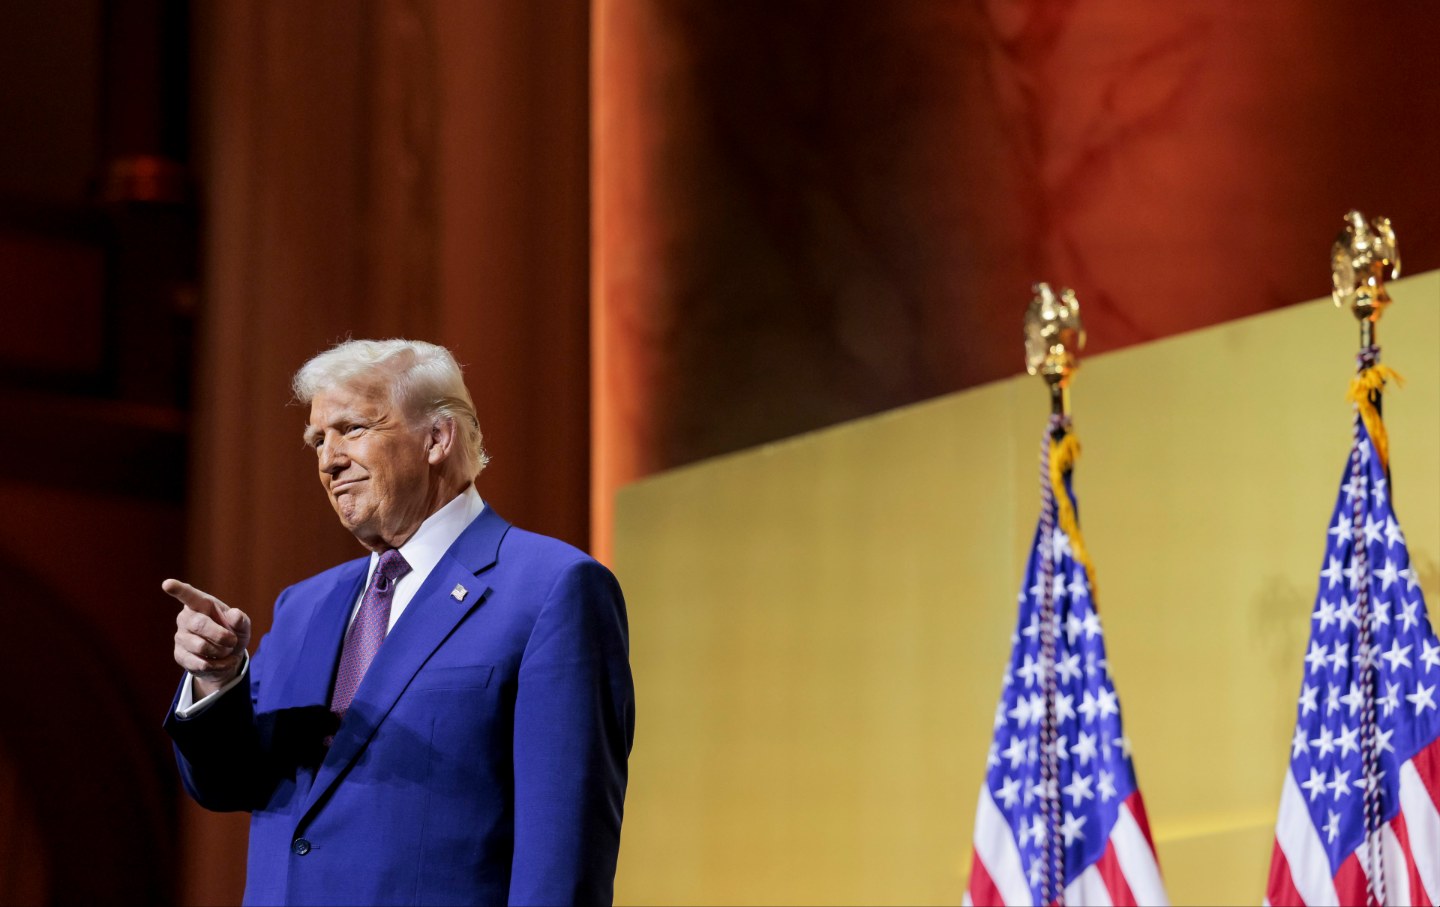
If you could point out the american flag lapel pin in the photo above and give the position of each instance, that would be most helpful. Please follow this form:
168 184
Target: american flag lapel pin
458 593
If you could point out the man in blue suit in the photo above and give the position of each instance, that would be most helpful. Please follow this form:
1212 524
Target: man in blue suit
446 721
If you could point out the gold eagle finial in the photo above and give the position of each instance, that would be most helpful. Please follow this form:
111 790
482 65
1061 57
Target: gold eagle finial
1054 334
1364 256
1054 337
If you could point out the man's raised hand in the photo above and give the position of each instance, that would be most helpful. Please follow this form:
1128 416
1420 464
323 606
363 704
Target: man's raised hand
210 637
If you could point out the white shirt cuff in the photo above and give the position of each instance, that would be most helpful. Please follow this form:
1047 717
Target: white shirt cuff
187 707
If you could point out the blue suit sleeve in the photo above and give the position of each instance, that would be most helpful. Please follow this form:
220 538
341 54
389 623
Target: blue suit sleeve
574 723
218 751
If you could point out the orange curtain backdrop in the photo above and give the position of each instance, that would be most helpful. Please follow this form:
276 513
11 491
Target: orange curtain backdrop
811 211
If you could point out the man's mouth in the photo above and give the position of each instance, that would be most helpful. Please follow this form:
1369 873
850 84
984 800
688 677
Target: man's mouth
339 487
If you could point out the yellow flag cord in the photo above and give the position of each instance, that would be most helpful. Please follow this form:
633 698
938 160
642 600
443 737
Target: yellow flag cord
1063 454
1364 392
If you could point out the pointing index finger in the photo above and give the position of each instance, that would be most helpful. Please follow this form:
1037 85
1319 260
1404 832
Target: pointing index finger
194 599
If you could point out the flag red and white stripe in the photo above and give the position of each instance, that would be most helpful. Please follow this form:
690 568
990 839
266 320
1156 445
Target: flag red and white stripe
1126 874
1300 868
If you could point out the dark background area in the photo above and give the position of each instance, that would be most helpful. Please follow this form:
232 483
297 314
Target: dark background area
98 249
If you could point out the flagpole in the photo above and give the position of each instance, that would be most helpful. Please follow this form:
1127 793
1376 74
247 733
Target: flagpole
1361 258
1060 801
1054 337
1060 399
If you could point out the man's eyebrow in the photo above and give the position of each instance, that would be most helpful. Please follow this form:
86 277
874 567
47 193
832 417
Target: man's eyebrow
348 417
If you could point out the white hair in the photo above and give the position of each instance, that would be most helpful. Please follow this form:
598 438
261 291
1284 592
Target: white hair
424 380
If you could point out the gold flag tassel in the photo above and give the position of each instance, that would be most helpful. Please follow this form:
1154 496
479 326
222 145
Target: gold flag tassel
1365 389
1064 451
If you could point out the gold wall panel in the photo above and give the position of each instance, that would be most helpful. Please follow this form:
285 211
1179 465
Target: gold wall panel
819 626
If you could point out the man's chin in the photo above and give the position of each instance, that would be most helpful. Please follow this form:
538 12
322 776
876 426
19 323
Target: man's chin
354 522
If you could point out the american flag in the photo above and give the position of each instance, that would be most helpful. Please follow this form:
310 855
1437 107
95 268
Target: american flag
1067 812
1366 748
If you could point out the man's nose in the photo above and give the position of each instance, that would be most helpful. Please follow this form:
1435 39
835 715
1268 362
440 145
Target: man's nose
332 456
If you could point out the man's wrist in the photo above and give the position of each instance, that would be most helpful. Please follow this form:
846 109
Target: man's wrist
194 698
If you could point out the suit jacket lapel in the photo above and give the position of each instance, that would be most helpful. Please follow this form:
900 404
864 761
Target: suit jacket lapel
428 620
308 681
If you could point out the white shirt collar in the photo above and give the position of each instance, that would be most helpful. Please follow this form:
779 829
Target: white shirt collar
423 550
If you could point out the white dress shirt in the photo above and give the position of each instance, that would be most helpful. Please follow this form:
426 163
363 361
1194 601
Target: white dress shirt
422 551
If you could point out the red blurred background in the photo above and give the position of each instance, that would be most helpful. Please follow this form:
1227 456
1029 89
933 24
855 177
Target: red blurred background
653 230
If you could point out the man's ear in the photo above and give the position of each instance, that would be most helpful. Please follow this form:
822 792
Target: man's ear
441 441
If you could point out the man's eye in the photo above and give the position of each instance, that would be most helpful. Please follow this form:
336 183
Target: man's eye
353 430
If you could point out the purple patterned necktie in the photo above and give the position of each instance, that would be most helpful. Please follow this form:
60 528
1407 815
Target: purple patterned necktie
368 629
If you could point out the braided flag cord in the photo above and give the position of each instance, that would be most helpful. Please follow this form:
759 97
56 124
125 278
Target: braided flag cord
1051 862
1060 819
1359 818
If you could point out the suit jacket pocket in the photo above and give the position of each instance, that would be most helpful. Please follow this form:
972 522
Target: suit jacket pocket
463 677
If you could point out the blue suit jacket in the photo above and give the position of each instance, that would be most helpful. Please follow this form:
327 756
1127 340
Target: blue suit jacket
483 760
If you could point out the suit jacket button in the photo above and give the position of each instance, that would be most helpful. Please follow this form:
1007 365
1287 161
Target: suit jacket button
300 847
